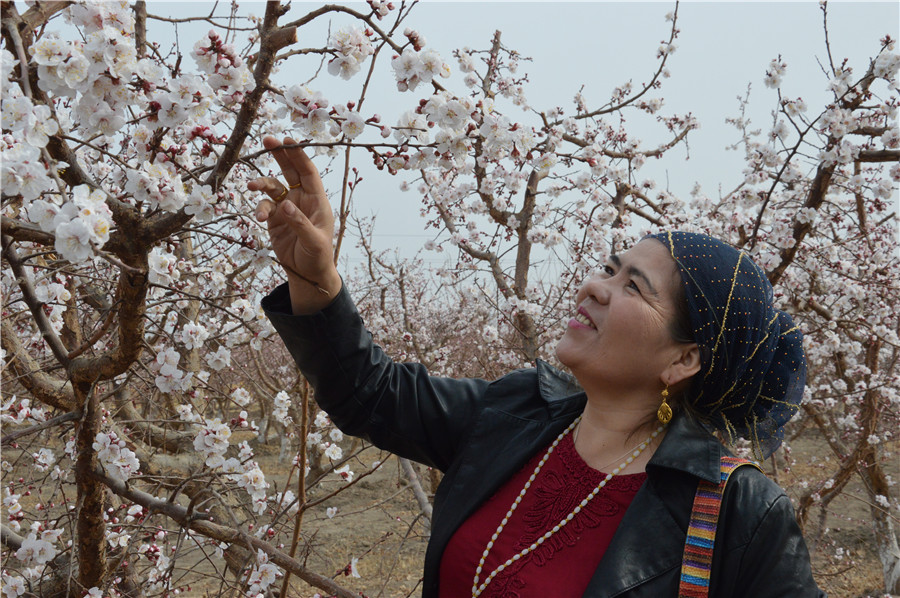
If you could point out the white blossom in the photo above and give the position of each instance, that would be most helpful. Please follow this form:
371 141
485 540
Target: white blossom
220 359
262 575
886 65
333 452
193 335
117 459
352 125
13 586
43 459
282 403
344 472
321 420
241 396
212 441
73 241
775 73
163 268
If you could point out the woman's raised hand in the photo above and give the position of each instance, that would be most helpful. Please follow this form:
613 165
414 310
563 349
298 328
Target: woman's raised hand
301 226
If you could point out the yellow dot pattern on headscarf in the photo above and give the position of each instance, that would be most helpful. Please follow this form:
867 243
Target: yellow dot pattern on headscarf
753 366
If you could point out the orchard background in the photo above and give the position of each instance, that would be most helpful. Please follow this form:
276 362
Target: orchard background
156 438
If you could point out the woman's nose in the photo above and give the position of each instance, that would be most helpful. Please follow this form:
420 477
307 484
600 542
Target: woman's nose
597 288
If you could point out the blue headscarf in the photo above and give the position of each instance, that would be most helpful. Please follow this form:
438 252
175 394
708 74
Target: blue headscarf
753 368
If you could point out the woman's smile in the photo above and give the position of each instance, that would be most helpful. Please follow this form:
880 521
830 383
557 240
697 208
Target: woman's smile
582 320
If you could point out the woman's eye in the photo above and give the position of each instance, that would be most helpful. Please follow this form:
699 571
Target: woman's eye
609 271
634 286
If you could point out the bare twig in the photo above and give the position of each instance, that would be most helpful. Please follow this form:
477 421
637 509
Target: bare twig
10 438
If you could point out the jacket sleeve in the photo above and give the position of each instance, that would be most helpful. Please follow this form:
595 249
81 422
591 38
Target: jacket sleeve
397 406
767 556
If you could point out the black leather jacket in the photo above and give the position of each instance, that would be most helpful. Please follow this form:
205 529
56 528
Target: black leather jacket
480 433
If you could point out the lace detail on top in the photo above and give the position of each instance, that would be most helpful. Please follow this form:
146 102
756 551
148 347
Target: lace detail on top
564 482
580 470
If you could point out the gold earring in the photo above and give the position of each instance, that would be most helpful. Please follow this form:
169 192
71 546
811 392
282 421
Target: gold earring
664 413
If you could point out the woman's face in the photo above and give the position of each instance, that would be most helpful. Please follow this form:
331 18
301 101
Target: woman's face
619 336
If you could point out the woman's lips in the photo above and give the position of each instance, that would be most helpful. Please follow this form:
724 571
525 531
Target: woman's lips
582 320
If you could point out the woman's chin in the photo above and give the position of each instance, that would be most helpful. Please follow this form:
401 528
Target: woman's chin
565 351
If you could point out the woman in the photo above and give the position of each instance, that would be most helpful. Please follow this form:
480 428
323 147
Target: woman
591 481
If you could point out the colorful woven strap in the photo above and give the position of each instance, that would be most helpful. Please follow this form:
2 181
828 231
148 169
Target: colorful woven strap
696 564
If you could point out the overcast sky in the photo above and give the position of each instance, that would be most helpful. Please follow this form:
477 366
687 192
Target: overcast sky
723 48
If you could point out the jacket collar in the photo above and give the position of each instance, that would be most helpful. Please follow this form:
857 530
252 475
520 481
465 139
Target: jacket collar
690 448
687 446
555 385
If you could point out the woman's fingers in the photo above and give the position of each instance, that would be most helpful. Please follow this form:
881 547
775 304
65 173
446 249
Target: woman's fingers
264 209
302 184
284 156
297 167
267 184
271 187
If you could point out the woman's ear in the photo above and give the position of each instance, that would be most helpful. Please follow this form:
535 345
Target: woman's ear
685 365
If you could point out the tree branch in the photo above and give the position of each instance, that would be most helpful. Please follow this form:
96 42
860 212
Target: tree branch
90 529
195 521
879 156
35 307
418 492
48 390
24 232
814 199
8 439
131 295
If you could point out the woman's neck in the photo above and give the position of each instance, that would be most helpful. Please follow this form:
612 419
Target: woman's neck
607 434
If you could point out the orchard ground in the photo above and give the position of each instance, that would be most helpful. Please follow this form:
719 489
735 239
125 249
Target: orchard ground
387 535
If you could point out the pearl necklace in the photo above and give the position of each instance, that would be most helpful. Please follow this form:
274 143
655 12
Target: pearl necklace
478 589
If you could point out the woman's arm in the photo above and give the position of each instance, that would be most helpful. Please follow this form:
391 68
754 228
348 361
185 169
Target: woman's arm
399 407
766 555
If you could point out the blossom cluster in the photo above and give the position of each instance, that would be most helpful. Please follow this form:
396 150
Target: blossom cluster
18 411
169 377
80 224
227 73
352 46
13 508
247 474
212 440
193 335
23 171
329 448
117 459
413 67
37 550
282 403
157 184
163 267
262 575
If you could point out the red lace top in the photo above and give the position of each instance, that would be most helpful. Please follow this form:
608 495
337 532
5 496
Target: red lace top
564 564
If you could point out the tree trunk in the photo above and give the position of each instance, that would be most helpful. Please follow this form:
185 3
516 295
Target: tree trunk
888 549
90 528
886 545
419 493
